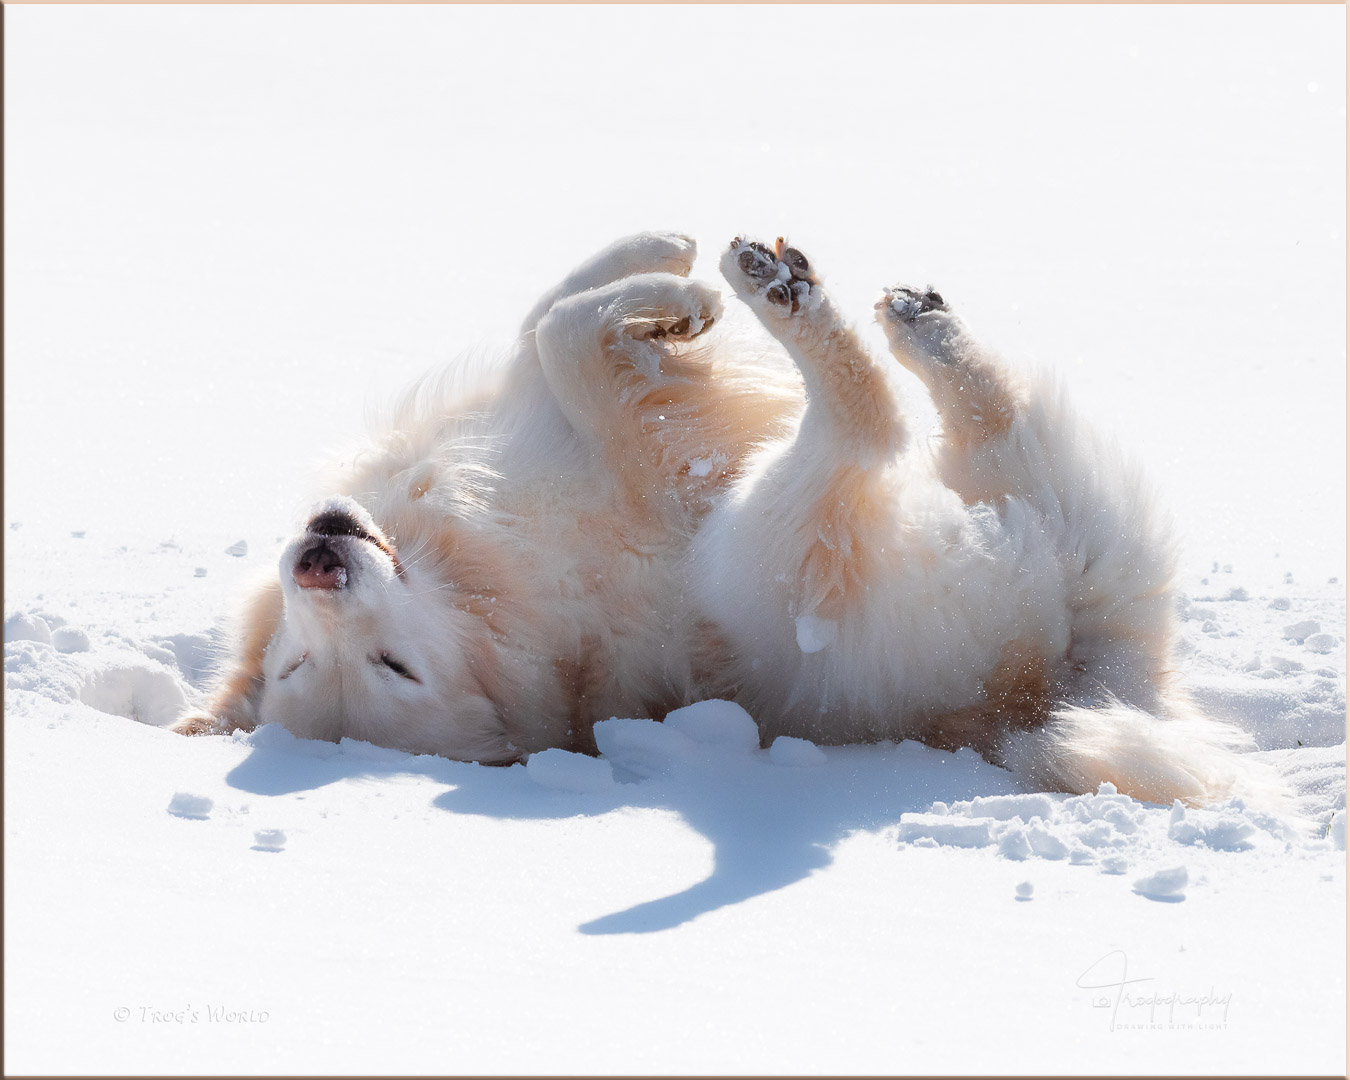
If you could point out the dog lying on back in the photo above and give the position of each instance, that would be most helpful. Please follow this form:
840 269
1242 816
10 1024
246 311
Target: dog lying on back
644 511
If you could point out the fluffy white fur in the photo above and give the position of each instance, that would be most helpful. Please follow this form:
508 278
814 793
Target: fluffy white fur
643 510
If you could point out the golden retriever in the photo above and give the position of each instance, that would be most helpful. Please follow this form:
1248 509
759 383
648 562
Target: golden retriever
642 509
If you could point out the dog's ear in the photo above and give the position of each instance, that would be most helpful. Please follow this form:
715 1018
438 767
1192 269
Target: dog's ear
239 685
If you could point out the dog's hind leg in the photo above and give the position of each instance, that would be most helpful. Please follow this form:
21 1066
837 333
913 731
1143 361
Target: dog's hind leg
977 397
1020 447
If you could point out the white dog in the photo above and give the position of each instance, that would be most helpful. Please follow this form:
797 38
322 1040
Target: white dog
644 511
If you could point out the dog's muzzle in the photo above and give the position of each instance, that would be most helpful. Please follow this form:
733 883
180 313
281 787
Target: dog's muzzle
336 521
328 557
320 566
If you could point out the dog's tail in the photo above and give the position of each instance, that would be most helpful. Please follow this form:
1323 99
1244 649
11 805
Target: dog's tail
1157 759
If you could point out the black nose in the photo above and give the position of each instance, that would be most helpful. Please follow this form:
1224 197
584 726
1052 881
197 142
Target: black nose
320 567
337 523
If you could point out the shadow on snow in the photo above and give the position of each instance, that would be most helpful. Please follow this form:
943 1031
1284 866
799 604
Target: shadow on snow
770 825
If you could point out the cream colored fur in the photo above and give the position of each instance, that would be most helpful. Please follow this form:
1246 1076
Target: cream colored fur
643 509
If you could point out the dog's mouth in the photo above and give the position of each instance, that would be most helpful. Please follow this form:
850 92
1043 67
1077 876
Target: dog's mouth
325 561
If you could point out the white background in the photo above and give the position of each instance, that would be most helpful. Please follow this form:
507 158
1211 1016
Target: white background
231 229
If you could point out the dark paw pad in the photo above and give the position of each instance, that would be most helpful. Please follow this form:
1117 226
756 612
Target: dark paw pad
757 262
782 272
682 329
796 262
907 304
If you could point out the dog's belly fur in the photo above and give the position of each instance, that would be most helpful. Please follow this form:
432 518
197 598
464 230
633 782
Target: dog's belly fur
898 654
641 514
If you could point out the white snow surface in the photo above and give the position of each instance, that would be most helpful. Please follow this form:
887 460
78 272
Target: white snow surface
231 230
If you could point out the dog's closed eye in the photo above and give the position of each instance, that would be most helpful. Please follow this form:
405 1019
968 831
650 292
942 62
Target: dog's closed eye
397 668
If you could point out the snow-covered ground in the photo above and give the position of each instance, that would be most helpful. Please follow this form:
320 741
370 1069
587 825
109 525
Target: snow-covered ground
231 230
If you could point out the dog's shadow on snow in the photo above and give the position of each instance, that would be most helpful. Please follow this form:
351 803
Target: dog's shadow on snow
770 825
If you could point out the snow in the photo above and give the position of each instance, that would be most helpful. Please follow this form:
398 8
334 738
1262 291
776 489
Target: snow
146 691
638 748
231 230
814 633
186 805
269 840
1321 643
70 639
566 771
1298 631
22 626
1168 885
793 752
722 724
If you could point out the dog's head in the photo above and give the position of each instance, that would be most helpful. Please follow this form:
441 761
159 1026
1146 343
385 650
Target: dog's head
373 648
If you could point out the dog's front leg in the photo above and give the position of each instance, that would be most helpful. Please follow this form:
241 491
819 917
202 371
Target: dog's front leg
641 253
602 349
814 521
850 404
233 703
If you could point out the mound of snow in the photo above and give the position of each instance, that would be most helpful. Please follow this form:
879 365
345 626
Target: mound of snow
716 723
24 627
792 751
1169 884
1298 631
563 770
186 805
69 639
1225 830
931 829
148 693
1320 643
269 840
1107 830
641 748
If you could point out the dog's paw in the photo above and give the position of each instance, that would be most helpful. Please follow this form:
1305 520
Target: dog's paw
680 312
196 723
907 304
780 278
